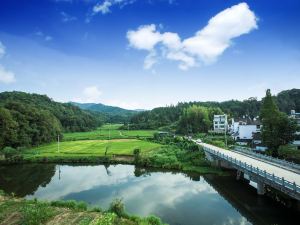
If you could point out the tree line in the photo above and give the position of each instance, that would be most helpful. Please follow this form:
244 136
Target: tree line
32 119
169 116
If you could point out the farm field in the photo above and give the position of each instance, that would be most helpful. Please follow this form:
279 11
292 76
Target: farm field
108 132
90 148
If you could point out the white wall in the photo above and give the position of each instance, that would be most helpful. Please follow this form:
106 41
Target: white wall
245 131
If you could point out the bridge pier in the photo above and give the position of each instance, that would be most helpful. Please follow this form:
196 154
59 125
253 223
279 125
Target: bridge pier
260 188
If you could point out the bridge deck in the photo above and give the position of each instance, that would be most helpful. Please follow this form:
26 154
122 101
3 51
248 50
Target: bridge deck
262 165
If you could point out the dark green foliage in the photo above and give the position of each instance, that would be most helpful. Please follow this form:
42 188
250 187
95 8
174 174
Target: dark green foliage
136 153
153 220
289 100
31 119
195 119
290 153
9 152
277 128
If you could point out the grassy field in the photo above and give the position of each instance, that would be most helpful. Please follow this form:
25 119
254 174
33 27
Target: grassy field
91 148
108 132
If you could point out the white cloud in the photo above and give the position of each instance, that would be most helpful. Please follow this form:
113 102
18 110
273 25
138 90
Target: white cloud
145 37
104 6
90 94
43 36
204 47
66 17
6 76
2 50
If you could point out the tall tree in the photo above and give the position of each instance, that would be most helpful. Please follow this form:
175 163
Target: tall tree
277 128
8 126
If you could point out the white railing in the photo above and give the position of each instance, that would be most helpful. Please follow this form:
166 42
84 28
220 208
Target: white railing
292 186
269 158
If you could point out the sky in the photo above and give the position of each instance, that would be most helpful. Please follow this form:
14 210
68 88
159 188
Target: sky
141 54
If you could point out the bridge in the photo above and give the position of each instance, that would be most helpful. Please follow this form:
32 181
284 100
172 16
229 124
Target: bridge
261 172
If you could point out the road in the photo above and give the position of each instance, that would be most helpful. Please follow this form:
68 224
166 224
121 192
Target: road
263 165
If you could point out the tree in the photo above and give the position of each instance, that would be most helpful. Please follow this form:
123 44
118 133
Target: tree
8 128
196 119
277 128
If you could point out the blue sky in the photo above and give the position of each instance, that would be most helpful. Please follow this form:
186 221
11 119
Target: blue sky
148 53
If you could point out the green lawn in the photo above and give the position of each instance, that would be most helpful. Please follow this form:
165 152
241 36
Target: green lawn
90 148
108 131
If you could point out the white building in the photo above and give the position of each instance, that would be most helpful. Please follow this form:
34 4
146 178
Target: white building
296 116
246 131
220 123
243 131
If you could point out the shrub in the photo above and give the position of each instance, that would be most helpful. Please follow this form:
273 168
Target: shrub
289 152
136 153
2 192
153 220
10 152
117 207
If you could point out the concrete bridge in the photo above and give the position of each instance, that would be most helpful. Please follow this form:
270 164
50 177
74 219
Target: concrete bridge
262 172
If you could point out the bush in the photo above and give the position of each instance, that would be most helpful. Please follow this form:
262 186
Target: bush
153 220
10 152
136 153
117 207
2 192
290 153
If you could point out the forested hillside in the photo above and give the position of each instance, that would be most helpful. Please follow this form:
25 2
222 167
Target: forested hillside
32 119
170 115
112 114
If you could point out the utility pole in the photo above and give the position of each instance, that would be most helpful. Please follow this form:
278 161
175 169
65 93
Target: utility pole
58 143
225 131
109 132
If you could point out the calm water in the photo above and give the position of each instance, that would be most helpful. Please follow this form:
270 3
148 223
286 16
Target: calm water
175 197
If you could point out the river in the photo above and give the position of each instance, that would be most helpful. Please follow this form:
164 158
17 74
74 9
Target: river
177 198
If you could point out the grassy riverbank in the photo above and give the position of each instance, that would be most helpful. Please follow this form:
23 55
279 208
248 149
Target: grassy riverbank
32 212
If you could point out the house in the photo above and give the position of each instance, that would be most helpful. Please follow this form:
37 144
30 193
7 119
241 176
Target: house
220 123
246 131
296 116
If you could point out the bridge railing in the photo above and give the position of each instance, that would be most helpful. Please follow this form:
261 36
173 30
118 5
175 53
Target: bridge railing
269 158
262 173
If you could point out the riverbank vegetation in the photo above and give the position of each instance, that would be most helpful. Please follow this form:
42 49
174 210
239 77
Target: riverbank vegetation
34 212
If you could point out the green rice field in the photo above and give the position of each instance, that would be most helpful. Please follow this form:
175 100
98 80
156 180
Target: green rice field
91 148
108 132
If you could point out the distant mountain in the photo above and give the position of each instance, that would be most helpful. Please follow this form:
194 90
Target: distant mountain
113 113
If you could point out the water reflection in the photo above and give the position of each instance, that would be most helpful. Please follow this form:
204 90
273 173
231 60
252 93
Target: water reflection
176 197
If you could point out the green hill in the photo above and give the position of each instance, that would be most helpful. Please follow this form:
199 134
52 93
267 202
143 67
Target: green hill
32 119
113 114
